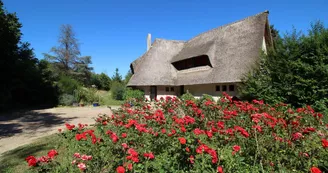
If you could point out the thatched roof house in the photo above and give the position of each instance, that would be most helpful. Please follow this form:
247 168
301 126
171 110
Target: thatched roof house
209 63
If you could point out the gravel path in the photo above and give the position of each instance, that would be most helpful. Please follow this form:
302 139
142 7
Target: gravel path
20 128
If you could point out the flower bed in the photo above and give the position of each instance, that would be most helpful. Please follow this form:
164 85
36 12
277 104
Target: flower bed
184 136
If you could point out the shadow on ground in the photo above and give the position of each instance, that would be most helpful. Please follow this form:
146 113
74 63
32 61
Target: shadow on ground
28 121
11 159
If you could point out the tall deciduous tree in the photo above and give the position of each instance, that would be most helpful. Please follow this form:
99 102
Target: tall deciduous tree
67 56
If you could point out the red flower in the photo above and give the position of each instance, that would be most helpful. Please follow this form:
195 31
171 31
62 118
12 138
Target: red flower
182 140
81 166
77 155
315 170
149 155
187 149
130 166
85 157
236 148
163 131
43 159
78 137
69 127
220 169
324 143
192 159
124 135
125 146
52 154
31 160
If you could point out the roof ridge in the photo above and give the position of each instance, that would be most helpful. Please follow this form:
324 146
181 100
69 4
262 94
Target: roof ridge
162 39
223 26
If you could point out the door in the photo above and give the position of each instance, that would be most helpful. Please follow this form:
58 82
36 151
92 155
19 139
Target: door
181 90
153 92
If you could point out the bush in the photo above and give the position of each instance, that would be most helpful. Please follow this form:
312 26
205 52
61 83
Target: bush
205 98
188 96
67 85
66 99
117 90
134 94
228 136
86 95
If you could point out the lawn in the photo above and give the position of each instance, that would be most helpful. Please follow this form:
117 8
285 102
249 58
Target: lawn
14 161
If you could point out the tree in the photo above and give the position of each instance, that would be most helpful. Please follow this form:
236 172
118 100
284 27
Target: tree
22 79
295 72
66 57
127 77
117 76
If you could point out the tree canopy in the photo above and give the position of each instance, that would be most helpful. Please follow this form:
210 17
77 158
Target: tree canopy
295 72
22 78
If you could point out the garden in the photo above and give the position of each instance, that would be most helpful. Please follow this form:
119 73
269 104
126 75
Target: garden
190 135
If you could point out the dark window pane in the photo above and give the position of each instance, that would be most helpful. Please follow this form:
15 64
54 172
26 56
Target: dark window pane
224 87
217 88
167 89
231 87
172 88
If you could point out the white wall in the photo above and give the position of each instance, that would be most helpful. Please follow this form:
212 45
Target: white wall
196 90
210 89
161 92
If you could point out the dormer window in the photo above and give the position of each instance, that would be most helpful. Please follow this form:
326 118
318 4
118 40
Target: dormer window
192 62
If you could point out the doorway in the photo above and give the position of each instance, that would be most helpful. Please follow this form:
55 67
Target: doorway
153 92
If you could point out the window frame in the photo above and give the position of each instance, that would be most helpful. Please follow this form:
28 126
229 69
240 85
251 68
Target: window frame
167 89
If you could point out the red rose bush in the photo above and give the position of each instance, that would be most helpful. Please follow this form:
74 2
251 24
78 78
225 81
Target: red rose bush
173 135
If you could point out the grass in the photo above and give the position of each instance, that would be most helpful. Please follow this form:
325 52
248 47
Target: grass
106 99
14 161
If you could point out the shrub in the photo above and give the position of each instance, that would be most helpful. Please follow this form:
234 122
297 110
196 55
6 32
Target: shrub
205 98
187 96
133 93
117 90
67 85
66 99
173 136
86 95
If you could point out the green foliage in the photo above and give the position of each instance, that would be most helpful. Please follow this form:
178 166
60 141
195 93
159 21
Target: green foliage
66 100
205 98
127 77
102 81
117 90
187 96
86 95
117 76
133 94
24 81
67 85
295 72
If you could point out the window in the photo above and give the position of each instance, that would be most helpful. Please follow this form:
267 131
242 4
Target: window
167 89
172 89
217 88
224 87
198 61
231 87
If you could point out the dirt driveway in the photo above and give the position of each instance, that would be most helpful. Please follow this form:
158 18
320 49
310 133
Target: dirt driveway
20 128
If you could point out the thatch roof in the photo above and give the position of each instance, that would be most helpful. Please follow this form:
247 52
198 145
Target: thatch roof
232 49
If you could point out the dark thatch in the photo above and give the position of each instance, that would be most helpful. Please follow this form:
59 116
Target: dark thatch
232 49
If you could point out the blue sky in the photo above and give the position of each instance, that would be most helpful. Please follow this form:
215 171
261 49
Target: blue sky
114 32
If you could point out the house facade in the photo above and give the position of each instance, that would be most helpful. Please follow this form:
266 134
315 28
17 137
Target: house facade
210 63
